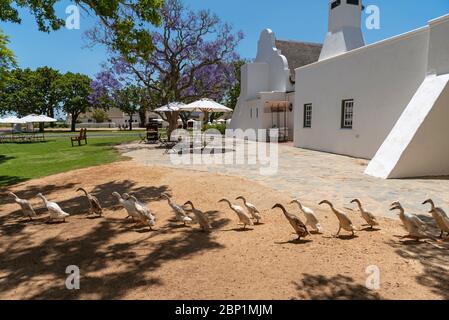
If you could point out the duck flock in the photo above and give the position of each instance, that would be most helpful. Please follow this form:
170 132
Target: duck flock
248 214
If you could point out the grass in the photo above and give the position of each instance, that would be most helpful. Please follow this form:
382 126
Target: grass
22 162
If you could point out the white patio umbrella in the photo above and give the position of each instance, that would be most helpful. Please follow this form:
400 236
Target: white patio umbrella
12 120
33 118
207 106
171 107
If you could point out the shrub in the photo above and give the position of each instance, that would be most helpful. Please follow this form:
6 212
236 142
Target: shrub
219 127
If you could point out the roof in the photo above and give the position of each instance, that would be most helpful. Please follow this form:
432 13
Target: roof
299 54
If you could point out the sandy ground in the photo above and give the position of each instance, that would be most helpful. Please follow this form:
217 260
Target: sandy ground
119 261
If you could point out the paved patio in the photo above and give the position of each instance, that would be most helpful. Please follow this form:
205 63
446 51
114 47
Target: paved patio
313 176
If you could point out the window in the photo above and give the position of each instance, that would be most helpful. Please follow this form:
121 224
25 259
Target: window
335 4
347 114
354 2
257 112
308 115
251 113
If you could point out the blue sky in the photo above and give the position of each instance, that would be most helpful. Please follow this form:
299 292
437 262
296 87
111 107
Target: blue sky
304 20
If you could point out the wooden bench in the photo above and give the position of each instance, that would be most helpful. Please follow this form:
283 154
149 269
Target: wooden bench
82 137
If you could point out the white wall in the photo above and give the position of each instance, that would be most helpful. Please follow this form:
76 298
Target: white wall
428 152
255 78
381 78
439 46
418 144
269 74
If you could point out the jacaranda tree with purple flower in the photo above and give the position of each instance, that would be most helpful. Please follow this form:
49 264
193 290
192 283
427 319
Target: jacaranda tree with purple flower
193 57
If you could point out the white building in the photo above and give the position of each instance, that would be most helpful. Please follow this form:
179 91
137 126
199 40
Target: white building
387 102
268 85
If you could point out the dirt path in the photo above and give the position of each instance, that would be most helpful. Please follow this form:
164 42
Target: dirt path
118 261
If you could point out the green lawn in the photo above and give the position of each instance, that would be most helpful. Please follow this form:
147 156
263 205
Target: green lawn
21 162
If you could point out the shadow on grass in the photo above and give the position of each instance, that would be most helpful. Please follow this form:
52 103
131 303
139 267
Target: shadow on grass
7 181
109 144
319 287
4 158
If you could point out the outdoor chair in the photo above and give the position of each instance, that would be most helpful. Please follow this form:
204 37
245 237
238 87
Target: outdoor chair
82 137
166 144
152 136
143 138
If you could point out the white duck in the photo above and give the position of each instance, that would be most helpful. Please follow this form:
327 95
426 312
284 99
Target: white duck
27 208
311 219
128 205
344 222
411 223
180 213
253 211
440 217
242 215
202 219
56 213
144 215
367 216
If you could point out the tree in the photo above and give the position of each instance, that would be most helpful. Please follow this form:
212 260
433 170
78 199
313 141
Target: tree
125 19
107 92
99 115
7 59
128 100
194 55
74 89
232 95
27 91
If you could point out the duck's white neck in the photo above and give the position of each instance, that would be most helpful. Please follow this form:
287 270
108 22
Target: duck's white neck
43 199
299 204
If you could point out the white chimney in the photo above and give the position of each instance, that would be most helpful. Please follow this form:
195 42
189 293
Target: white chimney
345 32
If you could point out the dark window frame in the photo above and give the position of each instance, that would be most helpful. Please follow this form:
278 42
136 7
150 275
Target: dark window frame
335 4
353 2
307 123
345 112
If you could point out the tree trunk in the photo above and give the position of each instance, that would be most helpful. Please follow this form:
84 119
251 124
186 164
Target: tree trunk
130 122
206 118
73 124
143 118
185 118
172 118
52 115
